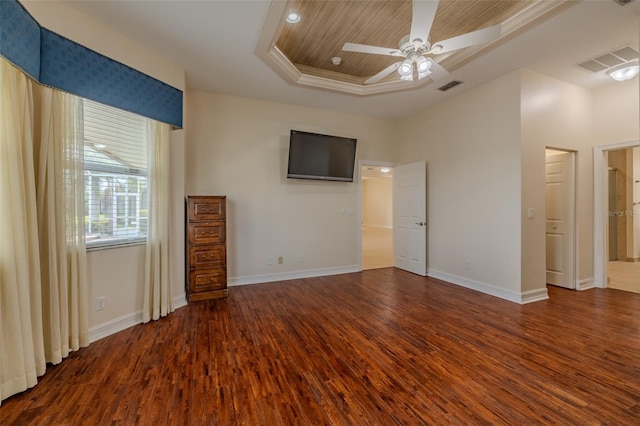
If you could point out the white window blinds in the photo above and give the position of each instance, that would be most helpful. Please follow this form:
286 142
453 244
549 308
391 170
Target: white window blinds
115 175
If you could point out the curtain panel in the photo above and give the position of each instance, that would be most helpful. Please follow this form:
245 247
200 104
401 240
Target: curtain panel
43 293
59 152
157 289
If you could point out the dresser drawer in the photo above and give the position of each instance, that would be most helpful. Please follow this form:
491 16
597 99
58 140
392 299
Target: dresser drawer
207 232
206 208
207 257
207 280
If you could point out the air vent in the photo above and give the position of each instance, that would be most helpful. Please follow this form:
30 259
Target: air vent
622 2
611 59
449 85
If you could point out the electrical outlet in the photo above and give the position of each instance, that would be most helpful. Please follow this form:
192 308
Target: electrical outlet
467 265
280 260
300 258
270 261
101 303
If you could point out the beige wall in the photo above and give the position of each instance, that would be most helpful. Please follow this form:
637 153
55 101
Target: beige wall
559 115
118 273
471 144
377 207
616 112
238 147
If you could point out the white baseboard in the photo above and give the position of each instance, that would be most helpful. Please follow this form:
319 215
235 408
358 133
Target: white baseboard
585 284
512 296
534 296
180 301
116 325
108 328
293 275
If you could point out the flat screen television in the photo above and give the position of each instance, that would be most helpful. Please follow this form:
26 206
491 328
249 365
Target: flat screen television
321 157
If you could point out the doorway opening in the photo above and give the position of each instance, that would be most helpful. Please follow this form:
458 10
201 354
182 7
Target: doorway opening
376 215
617 239
560 218
623 221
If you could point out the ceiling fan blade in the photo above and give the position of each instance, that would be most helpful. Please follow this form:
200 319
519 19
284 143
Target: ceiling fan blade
484 35
365 48
382 74
437 71
423 14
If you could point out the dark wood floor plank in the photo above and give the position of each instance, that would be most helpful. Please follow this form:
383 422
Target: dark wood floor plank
381 347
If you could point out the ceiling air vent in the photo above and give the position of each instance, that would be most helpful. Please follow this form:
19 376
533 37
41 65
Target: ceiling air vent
449 85
611 59
622 2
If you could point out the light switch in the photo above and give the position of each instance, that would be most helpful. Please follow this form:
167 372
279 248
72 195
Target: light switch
531 213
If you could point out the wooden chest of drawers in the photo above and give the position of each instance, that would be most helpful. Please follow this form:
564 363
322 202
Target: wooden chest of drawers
206 248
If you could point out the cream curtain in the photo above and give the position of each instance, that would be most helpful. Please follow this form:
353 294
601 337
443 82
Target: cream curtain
43 297
59 152
22 357
157 288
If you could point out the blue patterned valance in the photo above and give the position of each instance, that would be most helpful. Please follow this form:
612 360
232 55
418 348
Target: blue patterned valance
59 62
20 37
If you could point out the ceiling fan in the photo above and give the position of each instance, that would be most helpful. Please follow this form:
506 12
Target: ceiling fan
415 46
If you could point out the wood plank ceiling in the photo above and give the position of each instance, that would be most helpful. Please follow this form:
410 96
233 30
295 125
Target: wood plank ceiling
326 25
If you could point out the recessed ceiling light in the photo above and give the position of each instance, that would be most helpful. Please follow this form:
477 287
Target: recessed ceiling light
624 71
385 170
293 17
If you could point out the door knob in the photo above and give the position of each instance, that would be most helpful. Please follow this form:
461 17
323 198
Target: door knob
421 223
554 226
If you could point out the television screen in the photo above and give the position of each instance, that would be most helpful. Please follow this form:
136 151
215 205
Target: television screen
321 157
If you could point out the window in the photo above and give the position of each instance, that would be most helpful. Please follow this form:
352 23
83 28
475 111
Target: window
115 171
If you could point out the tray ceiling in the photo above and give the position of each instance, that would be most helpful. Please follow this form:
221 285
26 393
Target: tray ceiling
302 52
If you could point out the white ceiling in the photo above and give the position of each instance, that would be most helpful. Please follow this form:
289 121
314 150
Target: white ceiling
215 42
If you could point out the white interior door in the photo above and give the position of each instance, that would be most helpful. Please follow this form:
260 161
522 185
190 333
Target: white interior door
560 219
410 217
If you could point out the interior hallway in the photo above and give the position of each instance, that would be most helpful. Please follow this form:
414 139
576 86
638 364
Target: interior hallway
377 247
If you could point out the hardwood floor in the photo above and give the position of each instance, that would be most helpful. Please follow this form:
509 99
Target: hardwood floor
380 347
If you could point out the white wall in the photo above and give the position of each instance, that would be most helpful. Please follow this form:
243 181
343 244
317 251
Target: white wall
238 147
471 144
559 115
118 273
377 207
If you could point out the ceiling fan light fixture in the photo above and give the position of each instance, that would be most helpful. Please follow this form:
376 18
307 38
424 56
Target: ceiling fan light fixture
422 65
624 71
293 17
436 49
406 69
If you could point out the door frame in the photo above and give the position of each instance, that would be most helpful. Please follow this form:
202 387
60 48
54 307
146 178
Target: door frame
361 164
600 206
575 284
